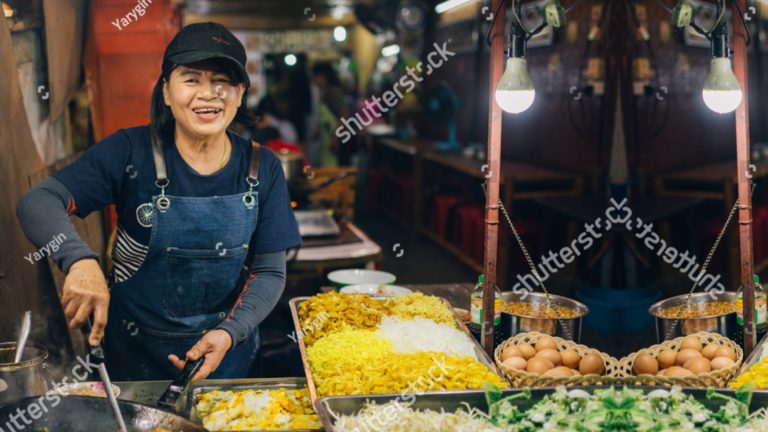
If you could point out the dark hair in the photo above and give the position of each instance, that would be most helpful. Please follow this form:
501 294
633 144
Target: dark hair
162 122
326 69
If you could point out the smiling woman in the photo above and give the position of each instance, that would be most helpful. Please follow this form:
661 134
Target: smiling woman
204 220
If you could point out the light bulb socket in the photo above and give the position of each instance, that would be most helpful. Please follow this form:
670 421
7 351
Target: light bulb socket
719 39
517 45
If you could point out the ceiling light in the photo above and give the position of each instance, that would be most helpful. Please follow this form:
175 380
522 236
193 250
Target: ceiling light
390 50
339 34
449 4
721 92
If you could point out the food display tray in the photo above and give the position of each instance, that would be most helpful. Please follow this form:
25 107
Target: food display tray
294 303
450 401
237 385
754 356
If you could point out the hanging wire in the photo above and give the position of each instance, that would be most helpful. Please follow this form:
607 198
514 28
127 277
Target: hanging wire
667 8
493 21
741 15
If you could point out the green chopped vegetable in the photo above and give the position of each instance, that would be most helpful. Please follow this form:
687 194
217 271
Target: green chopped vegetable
621 410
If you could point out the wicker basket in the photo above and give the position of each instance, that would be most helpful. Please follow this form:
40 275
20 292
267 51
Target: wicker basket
717 378
519 378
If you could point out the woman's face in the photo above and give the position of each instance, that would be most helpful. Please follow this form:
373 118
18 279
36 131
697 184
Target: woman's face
202 98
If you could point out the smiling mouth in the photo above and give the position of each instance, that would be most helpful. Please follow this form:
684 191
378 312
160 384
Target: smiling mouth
207 110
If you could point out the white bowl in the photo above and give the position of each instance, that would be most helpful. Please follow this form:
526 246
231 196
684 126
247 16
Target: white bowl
378 290
342 278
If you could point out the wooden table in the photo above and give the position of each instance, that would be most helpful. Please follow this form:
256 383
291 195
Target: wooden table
365 253
518 181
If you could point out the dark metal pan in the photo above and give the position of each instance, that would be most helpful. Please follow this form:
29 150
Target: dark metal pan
87 414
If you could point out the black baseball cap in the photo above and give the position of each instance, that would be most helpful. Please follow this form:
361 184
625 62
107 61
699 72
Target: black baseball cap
203 41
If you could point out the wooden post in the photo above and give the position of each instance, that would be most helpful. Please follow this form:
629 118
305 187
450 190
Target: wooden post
744 178
498 43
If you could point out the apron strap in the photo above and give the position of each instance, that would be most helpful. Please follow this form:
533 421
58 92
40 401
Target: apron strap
253 170
158 157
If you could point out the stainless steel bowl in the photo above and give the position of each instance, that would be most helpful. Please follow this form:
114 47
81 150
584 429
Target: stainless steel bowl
723 324
25 378
514 324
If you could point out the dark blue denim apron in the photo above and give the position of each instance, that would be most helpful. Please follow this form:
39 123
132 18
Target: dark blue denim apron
188 283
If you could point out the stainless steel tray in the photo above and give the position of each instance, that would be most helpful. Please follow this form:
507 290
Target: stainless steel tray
454 400
294 305
754 356
239 384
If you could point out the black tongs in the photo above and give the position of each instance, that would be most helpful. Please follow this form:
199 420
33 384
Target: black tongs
170 399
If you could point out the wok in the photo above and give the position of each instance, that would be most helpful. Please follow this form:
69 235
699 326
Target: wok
88 414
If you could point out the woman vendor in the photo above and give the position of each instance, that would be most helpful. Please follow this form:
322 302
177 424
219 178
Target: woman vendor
204 222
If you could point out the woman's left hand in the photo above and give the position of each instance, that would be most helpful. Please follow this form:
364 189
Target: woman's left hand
213 345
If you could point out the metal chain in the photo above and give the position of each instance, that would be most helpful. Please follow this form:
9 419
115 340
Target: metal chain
533 268
705 265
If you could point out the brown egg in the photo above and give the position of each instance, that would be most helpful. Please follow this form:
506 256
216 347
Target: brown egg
645 364
539 365
685 355
677 371
527 350
662 372
510 351
718 363
545 342
516 362
666 358
559 372
725 351
551 355
710 351
571 358
591 363
698 365
691 342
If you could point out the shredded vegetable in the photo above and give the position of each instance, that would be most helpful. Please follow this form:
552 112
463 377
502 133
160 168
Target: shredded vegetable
398 416
423 335
398 373
347 348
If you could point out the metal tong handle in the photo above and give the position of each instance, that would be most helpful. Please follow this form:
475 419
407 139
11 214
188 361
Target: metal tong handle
26 326
97 353
170 398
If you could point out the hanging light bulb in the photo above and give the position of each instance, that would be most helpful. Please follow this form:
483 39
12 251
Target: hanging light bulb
721 92
515 92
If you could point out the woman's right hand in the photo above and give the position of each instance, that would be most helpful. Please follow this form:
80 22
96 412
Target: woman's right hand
85 292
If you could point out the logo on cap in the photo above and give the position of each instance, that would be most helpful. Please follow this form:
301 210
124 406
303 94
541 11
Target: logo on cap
220 40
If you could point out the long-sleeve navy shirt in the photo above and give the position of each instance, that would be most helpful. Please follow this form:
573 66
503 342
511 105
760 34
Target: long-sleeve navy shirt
120 170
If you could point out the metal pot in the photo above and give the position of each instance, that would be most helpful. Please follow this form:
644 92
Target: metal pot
724 324
514 324
26 378
293 165
87 414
